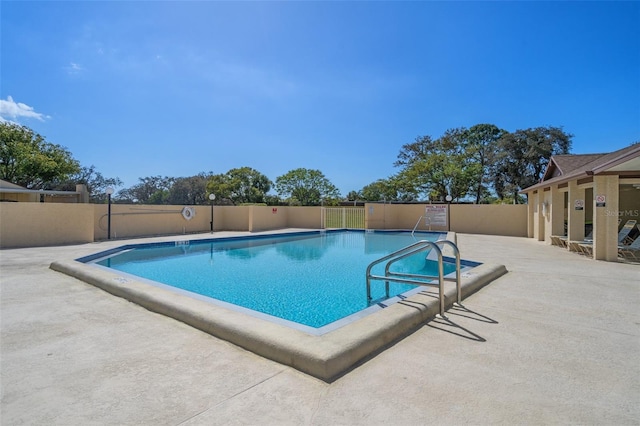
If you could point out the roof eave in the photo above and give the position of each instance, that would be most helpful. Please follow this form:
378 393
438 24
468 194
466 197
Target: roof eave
37 191
556 181
631 154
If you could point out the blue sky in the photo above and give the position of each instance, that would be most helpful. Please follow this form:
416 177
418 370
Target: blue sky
176 88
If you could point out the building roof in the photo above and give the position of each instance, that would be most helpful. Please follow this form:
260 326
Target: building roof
567 167
566 163
8 185
12 188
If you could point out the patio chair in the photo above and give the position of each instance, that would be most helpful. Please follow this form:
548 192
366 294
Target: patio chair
575 245
559 240
631 251
623 238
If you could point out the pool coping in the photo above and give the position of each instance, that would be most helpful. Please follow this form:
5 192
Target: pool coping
327 356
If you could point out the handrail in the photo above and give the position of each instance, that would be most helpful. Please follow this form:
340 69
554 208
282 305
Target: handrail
411 249
415 227
456 251
395 253
417 279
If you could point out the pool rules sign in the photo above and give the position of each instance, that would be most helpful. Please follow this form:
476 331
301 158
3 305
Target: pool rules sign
436 215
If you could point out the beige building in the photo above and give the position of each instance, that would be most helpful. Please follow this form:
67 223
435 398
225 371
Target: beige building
586 194
16 193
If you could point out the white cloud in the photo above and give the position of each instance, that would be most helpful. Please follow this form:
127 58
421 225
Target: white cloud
11 111
74 68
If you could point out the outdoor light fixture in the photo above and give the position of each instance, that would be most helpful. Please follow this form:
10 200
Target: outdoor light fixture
212 197
109 191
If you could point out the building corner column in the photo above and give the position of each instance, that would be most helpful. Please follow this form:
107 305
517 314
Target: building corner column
576 206
606 206
555 214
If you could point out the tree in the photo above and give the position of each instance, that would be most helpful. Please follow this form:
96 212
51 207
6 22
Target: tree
306 187
437 168
28 160
481 144
189 190
241 185
150 190
354 196
273 200
523 157
401 189
385 190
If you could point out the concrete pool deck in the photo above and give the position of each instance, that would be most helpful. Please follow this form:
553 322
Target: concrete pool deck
555 341
326 355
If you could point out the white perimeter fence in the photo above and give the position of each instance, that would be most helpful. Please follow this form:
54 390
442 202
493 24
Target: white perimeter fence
343 217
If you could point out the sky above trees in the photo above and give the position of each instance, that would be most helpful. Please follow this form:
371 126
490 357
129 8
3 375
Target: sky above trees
176 88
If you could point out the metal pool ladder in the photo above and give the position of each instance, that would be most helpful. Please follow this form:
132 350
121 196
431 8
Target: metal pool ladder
418 279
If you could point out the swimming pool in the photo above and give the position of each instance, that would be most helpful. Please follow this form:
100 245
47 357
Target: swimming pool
312 278
327 352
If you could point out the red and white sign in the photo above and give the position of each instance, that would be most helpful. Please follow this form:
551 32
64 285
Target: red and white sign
601 200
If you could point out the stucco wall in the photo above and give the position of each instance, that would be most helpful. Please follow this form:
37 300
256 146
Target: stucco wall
397 216
492 219
145 220
231 218
263 218
304 217
44 224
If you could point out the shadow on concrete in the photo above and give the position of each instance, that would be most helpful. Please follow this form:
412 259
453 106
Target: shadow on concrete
451 327
458 311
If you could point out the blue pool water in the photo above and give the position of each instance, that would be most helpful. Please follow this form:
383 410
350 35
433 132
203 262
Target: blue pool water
308 278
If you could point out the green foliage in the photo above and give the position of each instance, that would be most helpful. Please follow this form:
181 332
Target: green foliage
391 189
473 162
508 200
240 186
375 191
481 144
331 201
273 200
522 157
189 190
483 162
307 187
26 159
150 190
437 168
354 196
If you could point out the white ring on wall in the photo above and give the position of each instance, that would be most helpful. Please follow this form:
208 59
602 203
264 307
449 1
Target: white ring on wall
188 213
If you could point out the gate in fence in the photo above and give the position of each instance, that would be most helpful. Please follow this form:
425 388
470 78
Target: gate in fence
343 217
